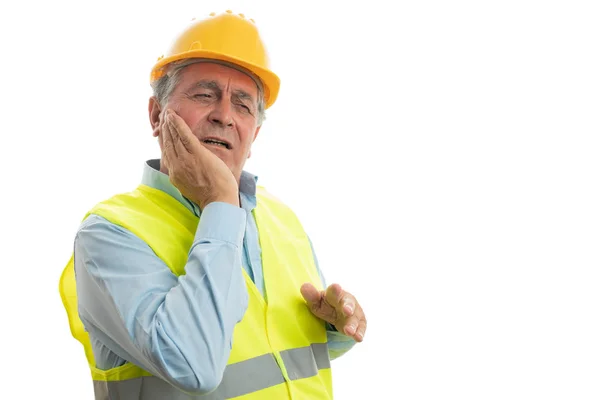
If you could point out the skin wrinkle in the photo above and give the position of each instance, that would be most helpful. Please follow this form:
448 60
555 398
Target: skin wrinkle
164 87
237 94
214 116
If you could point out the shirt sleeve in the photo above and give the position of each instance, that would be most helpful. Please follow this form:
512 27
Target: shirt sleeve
177 328
337 342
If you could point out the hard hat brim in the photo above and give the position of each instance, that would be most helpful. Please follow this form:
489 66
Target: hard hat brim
269 80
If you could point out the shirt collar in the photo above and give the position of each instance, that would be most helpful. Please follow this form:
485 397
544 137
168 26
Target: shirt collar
153 178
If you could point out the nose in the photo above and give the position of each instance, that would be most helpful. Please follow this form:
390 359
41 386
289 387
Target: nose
221 114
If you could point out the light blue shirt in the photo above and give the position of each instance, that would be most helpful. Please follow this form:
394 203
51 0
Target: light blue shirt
177 328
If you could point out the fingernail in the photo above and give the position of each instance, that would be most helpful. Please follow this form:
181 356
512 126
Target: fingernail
351 329
348 309
361 335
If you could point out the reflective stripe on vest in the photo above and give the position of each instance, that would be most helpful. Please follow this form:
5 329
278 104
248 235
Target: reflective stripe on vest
239 379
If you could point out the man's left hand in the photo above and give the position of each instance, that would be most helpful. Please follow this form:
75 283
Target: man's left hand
337 307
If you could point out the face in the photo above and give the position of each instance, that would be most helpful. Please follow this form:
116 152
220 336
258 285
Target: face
220 106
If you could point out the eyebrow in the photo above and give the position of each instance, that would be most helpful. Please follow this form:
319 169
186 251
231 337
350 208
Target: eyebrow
214 86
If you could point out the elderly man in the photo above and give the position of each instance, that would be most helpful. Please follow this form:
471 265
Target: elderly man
199 284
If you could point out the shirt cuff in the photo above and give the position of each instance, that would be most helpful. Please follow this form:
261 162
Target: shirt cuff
222 221
330 327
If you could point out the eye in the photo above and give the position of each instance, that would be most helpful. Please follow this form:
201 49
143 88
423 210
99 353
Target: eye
245 107
203 96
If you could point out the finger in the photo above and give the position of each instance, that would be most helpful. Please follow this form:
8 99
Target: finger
156 131
164 141
333 294
172 133
359 313
178 140
182 130
310 294
163 127
347 304
351 326
163 137
168 145
360 331
362 323
341 300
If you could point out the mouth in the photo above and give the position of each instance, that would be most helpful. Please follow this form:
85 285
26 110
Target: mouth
217 142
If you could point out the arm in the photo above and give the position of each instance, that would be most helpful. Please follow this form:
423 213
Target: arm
179 329
337 342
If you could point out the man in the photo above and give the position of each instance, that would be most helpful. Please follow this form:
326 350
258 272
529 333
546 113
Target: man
199 283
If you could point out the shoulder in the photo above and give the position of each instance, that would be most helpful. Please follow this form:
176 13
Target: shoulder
96 229
269 204
269 198
107 213
96 223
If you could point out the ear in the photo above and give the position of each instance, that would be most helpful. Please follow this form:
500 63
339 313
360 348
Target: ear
154 110
255 135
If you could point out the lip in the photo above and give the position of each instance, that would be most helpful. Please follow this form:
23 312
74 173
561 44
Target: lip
218 139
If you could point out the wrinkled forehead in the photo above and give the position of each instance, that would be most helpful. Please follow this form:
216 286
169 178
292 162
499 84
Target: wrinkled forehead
185 63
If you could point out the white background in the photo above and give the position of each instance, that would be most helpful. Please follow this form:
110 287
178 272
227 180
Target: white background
443 156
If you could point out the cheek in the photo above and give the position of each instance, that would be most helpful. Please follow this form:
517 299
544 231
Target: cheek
190 114
191 117
247 138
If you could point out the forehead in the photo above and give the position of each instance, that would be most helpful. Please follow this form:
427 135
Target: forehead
221 74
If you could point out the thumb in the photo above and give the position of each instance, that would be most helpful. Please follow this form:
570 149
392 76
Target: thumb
310 293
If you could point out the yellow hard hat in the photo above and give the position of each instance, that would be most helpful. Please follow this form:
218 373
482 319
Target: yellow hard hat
226 37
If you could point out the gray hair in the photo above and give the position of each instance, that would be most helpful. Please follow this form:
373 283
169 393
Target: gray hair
164 86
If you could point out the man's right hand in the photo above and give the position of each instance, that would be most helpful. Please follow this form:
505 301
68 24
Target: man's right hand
199 174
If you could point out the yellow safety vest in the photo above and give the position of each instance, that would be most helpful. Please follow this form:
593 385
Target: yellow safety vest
279 348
